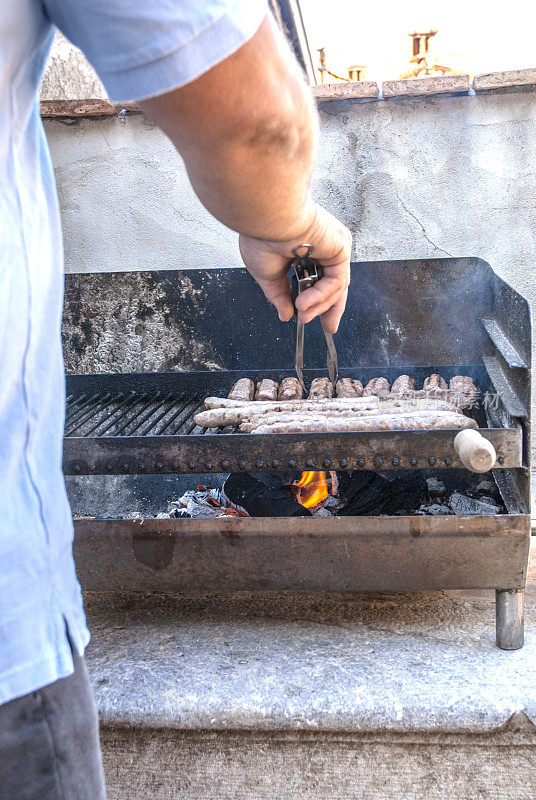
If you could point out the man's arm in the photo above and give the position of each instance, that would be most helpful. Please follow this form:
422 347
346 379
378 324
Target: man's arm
246 130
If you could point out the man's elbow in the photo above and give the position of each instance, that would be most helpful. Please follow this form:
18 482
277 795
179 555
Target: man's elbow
286 130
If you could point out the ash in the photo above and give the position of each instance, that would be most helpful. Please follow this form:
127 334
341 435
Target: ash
417 493
359 493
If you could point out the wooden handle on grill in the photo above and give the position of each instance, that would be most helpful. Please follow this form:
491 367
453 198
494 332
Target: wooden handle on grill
474 451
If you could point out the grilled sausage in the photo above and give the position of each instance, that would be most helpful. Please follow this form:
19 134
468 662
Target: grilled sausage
340 407
463 384
290 389
244 389
376 386
273 418
348 387
433 382
403 385
416 420
320 387
266 390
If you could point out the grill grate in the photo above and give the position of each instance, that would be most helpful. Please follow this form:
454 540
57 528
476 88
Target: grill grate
133 414
135 423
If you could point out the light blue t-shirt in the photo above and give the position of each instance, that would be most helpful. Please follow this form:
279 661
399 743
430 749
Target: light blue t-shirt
140 48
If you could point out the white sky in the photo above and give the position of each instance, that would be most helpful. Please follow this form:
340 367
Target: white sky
472 37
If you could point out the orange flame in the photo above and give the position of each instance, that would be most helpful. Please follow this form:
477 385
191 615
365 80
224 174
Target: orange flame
316 491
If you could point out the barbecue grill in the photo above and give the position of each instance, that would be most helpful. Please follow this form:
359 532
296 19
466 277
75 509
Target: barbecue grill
143 350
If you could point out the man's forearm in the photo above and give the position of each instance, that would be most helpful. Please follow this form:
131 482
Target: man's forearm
246 131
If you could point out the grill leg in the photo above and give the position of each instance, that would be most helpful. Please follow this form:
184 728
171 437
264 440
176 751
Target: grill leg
509 618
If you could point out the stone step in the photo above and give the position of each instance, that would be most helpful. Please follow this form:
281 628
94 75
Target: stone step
312 696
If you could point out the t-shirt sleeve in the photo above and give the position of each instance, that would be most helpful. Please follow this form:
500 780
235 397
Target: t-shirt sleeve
143 48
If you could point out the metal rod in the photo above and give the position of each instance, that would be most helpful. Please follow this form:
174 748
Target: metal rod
152 427
107 400
145 404
186 415
148 416
509 618
72 404
184 401
116 413
81 403
90 404
103 418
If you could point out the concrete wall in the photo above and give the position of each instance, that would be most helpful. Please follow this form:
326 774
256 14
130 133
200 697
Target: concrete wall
452 175
413 176
69 75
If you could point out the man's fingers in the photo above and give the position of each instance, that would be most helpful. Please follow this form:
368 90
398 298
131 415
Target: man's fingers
277 292
331 318
321 308
324 294
328 287
331 246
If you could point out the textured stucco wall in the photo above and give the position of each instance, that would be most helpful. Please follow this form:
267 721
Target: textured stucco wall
412 178
68 74
126 200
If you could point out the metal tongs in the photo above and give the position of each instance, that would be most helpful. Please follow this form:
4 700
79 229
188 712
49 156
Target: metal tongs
306 272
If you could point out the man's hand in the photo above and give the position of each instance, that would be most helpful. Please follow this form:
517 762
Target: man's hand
246 130
331 244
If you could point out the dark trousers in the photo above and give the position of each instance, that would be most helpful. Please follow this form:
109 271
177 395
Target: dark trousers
49 743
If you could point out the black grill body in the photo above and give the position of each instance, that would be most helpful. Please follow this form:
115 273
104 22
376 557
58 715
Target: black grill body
142 351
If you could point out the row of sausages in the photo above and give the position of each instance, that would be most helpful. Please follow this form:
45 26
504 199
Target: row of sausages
291 389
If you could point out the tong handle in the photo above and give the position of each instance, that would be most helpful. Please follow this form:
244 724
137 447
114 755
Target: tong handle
305 272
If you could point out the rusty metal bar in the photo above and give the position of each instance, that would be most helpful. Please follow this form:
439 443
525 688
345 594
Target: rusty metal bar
91 402
183 402
351 553
185 423
124 423
73 404
253 453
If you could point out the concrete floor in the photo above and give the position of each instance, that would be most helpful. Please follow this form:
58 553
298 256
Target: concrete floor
305 695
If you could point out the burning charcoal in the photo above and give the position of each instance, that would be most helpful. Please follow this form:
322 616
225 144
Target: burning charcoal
259 500
330 502
435 509
485 499
203 503
406 488
435 487
313 488
181 513
321 512
469 506
276 480
362 493
486 487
